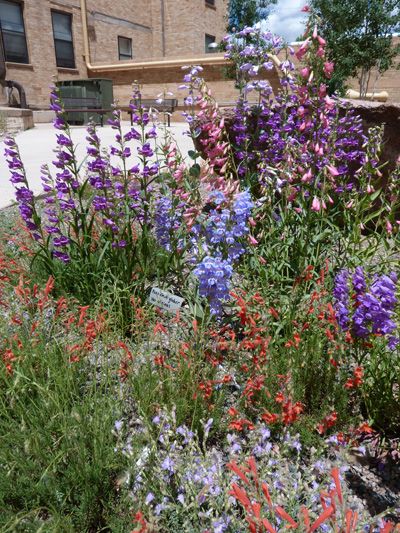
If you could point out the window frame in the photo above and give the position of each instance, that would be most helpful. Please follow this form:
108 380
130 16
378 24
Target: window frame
210 3
126 58
206 46
70 15
20 5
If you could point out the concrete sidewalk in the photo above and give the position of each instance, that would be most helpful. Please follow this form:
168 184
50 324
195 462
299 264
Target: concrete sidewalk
37 147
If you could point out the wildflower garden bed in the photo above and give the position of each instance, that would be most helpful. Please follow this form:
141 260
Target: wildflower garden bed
205 345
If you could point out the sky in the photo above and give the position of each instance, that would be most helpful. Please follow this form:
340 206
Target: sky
287 19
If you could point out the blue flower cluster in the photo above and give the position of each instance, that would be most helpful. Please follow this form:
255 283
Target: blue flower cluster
373 307
220 235
167 220
226 226
225 229
214 276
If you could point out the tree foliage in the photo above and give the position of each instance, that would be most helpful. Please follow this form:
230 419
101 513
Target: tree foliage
359 38
244 13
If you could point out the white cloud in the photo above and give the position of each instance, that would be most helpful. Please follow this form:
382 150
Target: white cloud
287 19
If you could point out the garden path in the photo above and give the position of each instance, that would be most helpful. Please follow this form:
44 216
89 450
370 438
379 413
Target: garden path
37 145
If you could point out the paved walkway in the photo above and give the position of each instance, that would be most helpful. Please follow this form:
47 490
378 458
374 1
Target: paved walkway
37 145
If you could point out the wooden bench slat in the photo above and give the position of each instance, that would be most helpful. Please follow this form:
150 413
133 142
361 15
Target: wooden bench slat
165 105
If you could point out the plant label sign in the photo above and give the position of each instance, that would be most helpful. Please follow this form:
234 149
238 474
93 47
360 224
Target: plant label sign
165 300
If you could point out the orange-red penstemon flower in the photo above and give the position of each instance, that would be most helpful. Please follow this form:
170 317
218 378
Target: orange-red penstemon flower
142 523
237 423
356 381
329 421
8 359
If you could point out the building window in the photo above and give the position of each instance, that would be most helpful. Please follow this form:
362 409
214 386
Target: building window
210 3
124 48
13 32
210 44
62 32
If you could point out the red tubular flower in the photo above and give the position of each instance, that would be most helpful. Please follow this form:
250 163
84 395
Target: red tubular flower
290 412
266 493
139 518
329 421
354 383
269 418
159 328
82 314
335 476
306 517
351 520
49 286
241 496
124 347
388 527
240 424
283 514
321 519
268 526
253 468
8 359
364 428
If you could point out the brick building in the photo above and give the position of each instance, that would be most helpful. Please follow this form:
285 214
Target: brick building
45 40
124 40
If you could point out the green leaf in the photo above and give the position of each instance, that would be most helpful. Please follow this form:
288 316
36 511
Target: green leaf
193 155
195 170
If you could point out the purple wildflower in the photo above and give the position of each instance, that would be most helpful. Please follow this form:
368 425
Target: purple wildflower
341 294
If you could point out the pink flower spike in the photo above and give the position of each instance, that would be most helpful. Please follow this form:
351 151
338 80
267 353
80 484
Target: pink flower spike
329 102
329 68
389 227
302 50
305 9
305 72
315 32
322 90
332 170
321 41
307 178
252 240
316 204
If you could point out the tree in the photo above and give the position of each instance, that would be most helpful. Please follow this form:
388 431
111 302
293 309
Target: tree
244 13
359 38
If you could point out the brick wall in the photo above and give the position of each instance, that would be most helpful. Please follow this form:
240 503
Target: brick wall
187 23
181 35
42 70
180 32
158 80
109 19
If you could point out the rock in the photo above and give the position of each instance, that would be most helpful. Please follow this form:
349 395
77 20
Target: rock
377 114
